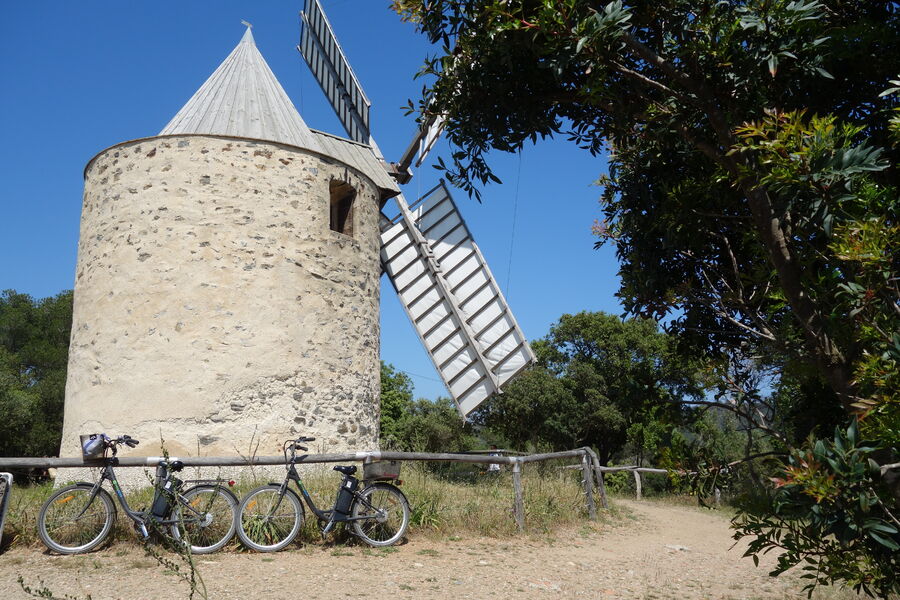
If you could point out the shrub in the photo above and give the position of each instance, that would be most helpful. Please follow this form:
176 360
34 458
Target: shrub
830 511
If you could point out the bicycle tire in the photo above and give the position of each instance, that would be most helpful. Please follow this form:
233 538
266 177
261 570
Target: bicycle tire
266 524
210 523
384 530
66 525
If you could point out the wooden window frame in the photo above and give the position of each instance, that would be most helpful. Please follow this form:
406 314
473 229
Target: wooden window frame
342 197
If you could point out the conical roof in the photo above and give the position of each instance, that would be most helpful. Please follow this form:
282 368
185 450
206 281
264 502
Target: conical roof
242 98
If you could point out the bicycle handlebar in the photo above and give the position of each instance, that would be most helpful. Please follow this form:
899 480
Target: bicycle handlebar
294 445
125 439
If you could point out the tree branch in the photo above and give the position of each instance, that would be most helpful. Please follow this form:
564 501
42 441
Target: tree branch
646 81
663 65
778 436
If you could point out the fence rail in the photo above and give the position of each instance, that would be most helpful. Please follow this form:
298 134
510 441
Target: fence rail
240 461
592 472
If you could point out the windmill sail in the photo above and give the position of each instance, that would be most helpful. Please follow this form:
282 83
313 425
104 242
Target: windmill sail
427 251
326 60
452 299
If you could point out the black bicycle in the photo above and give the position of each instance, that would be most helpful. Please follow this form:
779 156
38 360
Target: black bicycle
77 518
270 516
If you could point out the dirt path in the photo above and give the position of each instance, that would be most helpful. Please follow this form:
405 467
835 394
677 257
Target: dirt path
662 552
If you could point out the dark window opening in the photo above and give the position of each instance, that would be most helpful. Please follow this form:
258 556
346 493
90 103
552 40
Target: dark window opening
342 196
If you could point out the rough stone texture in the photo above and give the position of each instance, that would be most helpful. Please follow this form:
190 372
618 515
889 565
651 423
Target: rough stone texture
213 303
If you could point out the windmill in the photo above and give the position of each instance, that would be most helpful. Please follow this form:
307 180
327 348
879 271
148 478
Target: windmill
427 251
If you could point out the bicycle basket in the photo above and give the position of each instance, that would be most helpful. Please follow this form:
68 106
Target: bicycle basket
384 469
92 446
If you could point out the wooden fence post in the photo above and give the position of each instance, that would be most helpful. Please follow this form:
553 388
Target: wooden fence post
601 484
6 482
637 483
519 502
587 479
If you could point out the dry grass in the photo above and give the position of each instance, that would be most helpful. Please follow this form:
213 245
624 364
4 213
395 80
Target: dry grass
25 505
470 503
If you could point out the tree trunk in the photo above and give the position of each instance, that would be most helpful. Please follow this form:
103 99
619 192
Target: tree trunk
829 359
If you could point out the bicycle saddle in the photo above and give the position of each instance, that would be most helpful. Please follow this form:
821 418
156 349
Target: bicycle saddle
346 470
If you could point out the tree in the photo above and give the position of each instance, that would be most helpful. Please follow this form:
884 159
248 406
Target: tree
536 410
396 403
421 425
599 379
435 426
34 346
678 90
752 193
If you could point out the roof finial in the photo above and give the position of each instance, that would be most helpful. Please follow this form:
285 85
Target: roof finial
249 25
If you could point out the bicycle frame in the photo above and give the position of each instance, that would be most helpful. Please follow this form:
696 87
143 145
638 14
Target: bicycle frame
268 520
140 518
323 515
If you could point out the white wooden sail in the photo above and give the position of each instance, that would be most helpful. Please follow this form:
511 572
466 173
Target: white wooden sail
427 251
452 299
329 66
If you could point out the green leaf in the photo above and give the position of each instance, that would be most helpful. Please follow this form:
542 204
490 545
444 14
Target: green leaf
884 541
879 525
581 43
852 432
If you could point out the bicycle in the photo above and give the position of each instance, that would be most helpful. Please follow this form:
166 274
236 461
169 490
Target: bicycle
270 516
77 518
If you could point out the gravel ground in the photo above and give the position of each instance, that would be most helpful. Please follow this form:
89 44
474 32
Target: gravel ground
661 551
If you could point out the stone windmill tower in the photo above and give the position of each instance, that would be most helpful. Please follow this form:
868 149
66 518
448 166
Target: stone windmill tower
228 272
228 278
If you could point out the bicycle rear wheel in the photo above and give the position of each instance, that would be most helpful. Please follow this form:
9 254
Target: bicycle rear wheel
268 521
387 514
206 515
71 522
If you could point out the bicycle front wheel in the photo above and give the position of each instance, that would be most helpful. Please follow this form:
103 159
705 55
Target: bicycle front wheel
71 522
268 521
206 515
386 514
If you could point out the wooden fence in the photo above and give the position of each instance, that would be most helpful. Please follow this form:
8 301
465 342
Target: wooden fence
6 481
592 472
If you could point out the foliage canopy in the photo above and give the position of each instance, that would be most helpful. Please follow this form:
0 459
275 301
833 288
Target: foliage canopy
752 192
749 143
600 381
419 425
34 346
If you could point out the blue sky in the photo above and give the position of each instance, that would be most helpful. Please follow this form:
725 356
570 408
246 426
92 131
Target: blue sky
79 77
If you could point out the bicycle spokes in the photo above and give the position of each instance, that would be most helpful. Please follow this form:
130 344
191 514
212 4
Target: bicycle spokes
266 519
380 515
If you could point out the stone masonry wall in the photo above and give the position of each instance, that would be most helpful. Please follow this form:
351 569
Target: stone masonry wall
214 305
